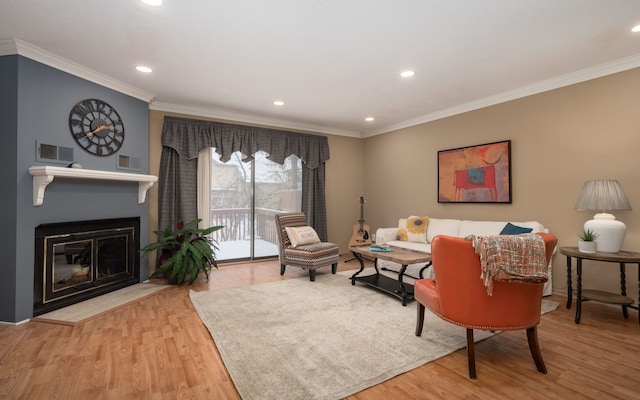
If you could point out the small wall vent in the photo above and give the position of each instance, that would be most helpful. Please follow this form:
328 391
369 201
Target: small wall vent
128 163
53 154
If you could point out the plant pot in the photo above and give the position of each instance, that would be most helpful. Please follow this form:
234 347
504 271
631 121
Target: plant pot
587 247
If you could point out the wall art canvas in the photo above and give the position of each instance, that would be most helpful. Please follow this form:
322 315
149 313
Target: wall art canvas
475 174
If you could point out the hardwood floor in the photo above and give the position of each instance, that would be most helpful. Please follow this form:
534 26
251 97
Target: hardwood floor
157 348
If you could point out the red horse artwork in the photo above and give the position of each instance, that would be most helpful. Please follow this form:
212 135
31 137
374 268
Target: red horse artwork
475 174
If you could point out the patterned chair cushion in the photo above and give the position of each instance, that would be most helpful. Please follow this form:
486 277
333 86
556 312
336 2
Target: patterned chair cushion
312 255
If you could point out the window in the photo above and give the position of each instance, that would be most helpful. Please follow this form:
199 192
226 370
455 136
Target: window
245 196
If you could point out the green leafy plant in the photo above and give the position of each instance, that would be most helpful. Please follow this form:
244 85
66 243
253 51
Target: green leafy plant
588 235
186 250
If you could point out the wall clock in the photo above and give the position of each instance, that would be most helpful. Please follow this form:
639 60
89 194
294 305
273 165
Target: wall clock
97 127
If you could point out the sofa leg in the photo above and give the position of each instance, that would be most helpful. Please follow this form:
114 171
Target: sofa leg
312 275
471 356
334 268
419 319
282 267
532 337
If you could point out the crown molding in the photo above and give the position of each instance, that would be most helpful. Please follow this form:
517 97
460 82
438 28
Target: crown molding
583 75
17 46
8 47
248 119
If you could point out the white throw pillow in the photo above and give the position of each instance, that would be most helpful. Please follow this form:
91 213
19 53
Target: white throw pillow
300 235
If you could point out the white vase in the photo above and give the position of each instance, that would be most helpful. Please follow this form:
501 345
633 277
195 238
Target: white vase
587 247
610 232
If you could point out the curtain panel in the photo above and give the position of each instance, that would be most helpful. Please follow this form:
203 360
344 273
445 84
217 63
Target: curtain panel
182 140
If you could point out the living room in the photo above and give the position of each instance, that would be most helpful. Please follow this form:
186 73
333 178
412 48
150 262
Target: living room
561 136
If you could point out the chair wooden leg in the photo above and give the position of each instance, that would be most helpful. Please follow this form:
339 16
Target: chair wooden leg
312 275
282 267
334 268
532 336
419 319
471 356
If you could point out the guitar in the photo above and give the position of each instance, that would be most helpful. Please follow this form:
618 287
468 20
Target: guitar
360 234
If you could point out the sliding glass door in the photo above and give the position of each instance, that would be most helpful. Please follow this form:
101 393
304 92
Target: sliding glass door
245 196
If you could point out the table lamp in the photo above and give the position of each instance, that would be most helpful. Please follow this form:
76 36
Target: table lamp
604 195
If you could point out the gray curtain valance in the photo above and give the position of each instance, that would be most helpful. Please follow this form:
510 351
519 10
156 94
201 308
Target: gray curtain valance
188 136
182 140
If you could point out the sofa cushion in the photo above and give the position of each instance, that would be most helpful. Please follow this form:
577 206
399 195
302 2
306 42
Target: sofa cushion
511 229
413 229
422 247
486 228
438 226
480 228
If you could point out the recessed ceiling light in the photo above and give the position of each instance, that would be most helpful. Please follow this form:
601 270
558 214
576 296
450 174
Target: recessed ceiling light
369 119
635 28
278 103
144 69
155 3
407 74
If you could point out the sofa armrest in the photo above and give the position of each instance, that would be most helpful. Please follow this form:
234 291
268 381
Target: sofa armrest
384 235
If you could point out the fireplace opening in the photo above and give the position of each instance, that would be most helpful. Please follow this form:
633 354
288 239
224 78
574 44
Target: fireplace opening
79 260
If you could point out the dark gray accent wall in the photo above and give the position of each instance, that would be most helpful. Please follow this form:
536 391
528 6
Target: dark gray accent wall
44 99
8 198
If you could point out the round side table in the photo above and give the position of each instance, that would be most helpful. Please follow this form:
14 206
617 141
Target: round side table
622 257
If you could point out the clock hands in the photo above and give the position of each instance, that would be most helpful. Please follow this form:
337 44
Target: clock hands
99 128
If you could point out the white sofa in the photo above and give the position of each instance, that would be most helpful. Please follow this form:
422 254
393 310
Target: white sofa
451 227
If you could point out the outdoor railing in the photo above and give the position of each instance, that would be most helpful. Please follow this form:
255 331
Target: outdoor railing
237 224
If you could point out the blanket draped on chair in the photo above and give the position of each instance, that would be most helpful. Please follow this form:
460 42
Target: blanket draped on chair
511 258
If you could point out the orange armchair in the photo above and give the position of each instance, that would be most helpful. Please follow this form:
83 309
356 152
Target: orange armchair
458 295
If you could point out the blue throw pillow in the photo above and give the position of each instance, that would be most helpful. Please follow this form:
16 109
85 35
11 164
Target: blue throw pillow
510 229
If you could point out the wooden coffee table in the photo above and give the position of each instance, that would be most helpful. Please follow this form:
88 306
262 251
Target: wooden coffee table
394 287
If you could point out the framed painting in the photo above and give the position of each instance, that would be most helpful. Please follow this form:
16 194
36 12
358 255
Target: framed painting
475 174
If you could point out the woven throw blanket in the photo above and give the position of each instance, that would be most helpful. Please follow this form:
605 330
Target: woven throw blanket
511 258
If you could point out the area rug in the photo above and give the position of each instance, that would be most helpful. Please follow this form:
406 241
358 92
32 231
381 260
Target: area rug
327 339
82 312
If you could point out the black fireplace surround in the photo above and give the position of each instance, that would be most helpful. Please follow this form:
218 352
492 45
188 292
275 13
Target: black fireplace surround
75 261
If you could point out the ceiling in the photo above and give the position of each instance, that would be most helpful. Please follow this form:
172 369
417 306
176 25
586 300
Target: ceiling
332 62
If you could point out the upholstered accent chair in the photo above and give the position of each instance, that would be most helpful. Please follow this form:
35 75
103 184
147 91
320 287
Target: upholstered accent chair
458 295
309 256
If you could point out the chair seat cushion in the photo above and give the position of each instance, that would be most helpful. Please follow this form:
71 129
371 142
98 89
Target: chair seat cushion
312 255
312 250
426 293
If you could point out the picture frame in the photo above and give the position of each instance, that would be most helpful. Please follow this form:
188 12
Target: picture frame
475 174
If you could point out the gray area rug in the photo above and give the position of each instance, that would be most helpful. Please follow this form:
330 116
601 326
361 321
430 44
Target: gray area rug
327 339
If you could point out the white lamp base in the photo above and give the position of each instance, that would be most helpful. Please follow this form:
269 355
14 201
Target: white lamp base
610 232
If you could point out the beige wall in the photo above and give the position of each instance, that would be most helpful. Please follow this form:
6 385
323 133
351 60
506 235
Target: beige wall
559 139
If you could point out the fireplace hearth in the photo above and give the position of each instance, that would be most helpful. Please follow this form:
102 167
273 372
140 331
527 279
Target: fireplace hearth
78 260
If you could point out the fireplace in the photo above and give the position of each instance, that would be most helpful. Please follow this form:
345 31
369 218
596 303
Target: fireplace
79 260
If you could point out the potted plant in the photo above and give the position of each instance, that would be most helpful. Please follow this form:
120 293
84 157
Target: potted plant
186 250
587 242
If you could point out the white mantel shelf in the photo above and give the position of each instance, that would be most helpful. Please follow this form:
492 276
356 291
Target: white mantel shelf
43 175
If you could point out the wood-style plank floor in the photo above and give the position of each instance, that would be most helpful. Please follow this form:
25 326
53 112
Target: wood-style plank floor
157 348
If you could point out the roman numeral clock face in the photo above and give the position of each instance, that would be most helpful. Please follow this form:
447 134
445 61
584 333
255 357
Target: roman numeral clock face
97 127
